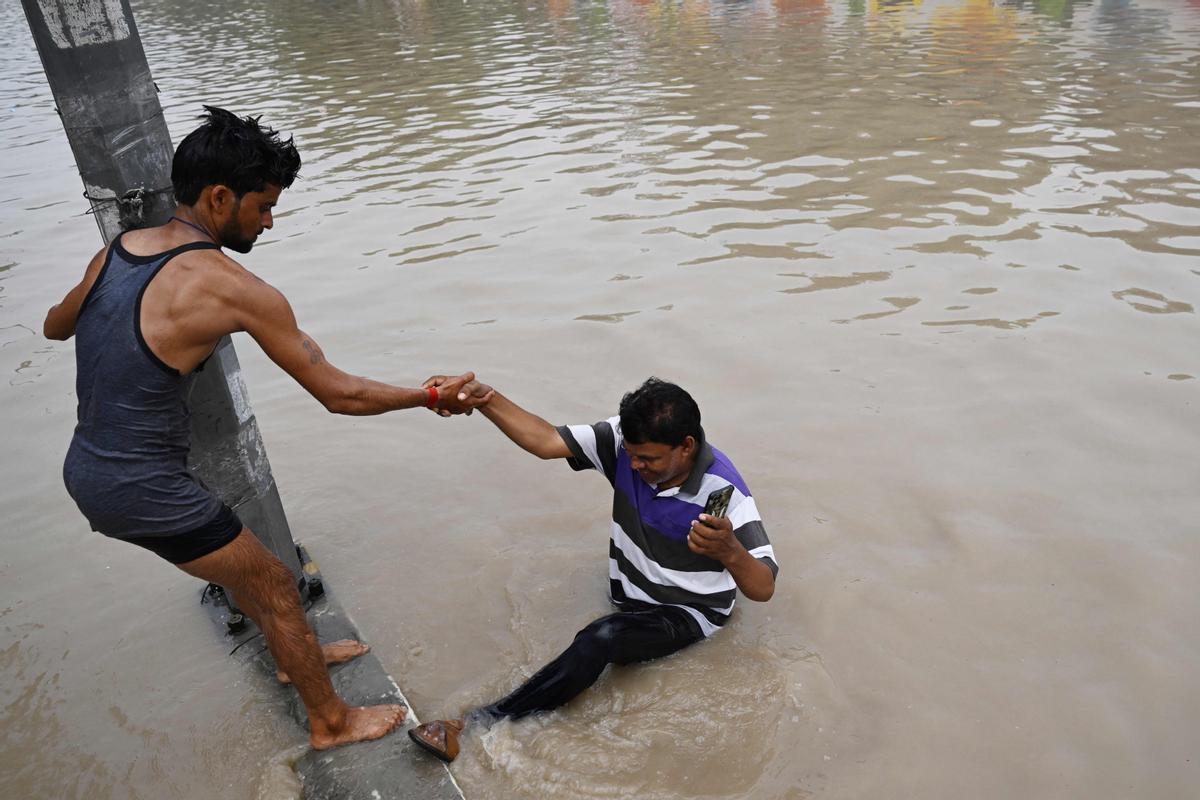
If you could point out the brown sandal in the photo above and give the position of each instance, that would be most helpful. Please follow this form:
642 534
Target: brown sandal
439 737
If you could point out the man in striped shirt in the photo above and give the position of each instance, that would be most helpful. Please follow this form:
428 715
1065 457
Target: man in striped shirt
673 570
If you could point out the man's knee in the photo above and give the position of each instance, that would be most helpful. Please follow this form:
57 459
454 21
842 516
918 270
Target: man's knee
599 637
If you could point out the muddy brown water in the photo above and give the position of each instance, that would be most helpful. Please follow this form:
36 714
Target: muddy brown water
931 270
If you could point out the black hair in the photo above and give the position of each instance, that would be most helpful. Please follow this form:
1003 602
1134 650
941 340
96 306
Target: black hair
232 151
659 412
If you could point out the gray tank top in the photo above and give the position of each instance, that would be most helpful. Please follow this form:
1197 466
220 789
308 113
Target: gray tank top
127 464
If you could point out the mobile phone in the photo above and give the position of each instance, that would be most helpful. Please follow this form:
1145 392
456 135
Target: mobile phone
718 502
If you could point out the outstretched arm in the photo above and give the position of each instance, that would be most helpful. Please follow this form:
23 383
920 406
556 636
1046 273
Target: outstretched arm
529 431
61 319
267 316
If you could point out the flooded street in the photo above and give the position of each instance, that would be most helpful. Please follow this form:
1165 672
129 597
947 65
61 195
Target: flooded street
929 268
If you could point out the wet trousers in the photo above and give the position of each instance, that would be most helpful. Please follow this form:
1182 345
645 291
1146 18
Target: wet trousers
626 637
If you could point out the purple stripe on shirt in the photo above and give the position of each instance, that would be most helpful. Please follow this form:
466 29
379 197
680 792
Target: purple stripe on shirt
670 516
722 467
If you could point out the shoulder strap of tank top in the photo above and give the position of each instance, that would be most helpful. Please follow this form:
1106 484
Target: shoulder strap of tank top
166 254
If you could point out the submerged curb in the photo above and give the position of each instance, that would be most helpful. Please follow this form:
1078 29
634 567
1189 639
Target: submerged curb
391 768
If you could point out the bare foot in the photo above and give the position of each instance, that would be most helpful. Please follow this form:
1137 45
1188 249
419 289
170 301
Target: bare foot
363 723
335 653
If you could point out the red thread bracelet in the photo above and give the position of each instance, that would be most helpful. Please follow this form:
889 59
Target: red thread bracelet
433 396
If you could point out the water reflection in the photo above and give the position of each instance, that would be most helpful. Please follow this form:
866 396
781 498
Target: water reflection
516 110
1057 10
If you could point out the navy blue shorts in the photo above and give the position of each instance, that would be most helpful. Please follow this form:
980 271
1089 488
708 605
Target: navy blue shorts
181 548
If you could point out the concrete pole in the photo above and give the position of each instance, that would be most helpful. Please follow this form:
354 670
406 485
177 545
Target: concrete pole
109 106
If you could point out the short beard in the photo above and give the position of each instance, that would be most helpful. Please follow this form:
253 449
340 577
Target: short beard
231 235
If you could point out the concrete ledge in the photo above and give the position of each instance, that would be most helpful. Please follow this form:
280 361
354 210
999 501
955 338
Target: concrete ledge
391 768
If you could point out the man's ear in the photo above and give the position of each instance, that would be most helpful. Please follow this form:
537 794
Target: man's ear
689 445
221 197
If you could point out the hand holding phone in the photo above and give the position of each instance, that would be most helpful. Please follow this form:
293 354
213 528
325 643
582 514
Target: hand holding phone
718 502
712 534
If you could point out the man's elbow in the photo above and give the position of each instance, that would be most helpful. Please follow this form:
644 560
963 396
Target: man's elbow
339 400
547 452
335 405
344 404
761 591
52 328
56 331
762 594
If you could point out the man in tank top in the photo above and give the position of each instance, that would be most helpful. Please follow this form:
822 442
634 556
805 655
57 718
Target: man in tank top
149 311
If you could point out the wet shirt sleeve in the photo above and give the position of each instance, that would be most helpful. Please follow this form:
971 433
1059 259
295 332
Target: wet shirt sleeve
749 530
594 446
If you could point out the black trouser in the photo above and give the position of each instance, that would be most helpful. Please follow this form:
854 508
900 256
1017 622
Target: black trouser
641 634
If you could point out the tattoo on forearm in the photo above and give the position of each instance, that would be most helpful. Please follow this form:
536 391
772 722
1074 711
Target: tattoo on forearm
314 355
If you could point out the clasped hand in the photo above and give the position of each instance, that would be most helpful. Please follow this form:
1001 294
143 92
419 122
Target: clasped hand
458 395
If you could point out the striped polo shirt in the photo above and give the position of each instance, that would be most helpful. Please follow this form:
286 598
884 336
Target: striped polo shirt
648 555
